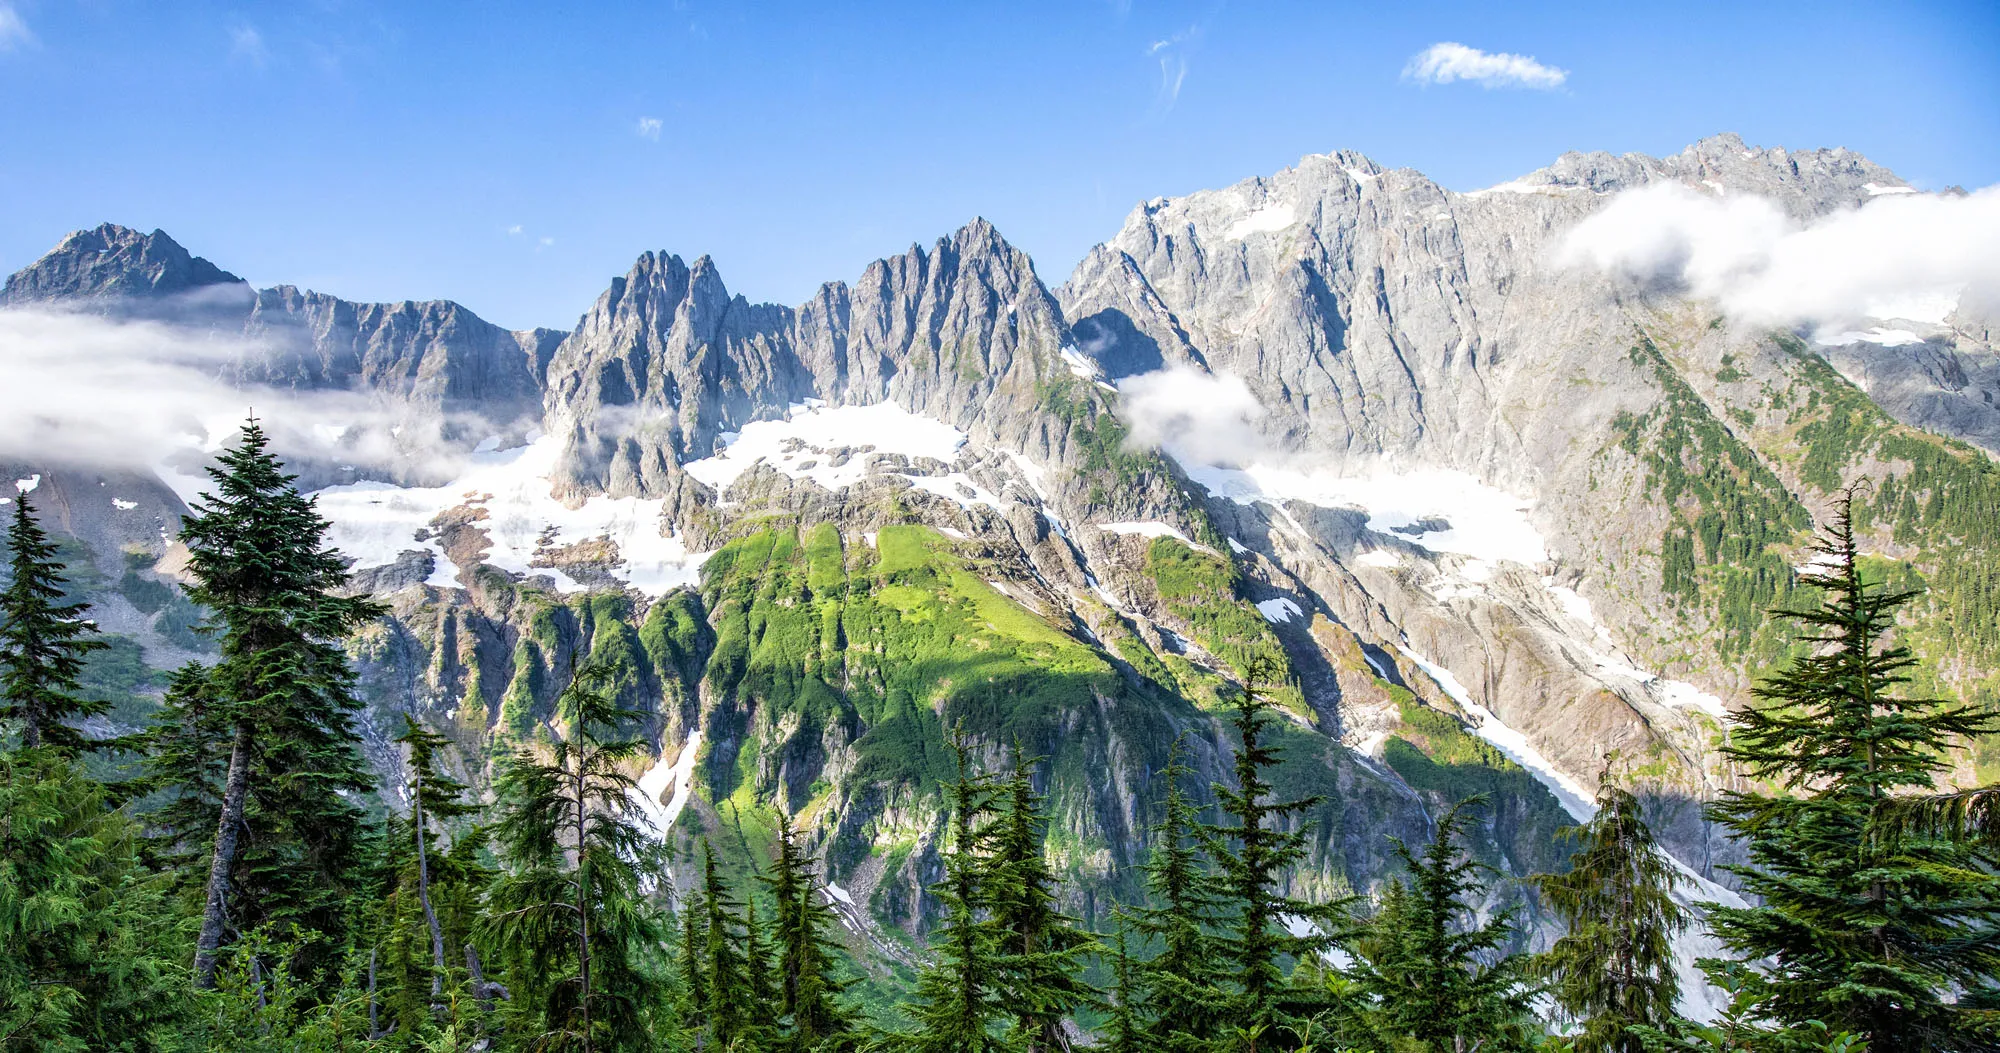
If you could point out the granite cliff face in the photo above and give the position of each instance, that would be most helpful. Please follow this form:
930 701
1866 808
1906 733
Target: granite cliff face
1504 525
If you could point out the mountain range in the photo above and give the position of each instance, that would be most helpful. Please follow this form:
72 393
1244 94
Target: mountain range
1501 523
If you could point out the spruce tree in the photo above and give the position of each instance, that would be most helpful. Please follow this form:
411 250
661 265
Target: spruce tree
1178 989
1430 977
287 844
808 989
1254 855
43 641
955 1004
1870 925
569 912
1613 971
690 962
1040 971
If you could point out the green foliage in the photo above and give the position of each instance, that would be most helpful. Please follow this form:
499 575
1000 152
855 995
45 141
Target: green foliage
1869 927
1206 591
91 961
286 843
1730 516
580 938
1254 850
1429 976
43 642
1176 994
1040 970
1613 971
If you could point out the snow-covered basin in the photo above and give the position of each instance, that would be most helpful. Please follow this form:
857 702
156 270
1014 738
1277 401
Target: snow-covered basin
674 782
1485 522
374 522
803 445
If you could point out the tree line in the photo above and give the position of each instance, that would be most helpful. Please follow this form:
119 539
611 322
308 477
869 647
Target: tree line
239 894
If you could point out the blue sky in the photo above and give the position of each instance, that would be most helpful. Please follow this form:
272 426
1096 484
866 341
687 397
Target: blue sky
495 153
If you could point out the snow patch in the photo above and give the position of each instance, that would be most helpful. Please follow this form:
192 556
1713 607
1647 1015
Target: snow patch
1483 521
1877 189
1379 557
812 430
1879 335
1236 546
375 522
1261 221
123 505
957 487
1570 793
660 778
1081 366
1280 610
28 485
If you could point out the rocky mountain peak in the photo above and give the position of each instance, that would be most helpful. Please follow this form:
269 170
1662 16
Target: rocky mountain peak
110 261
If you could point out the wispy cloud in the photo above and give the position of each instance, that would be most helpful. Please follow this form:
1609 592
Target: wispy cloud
544 243
14 32
247 45
1447 62
1172 55
1909 256
514 231
649 128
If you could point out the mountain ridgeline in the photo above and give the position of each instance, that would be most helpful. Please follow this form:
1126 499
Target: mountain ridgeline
1501 527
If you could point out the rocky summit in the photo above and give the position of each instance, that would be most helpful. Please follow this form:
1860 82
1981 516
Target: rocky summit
1497 522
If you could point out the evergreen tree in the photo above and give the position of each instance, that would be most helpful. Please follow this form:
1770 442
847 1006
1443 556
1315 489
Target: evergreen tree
1253 856
569 913
1869 925
1040 971
808 989
690 961
956 1003
1178 990
1429 977
433 796
731 1020
43 641
1614 969
282 698
87 954
1121 1027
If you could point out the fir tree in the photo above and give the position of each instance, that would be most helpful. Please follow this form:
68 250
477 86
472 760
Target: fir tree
1253 856
1870 926
808 989
1040 971
88 957
1430 978
1178 988
569 913
956 1004
1614 969
43 641
281 696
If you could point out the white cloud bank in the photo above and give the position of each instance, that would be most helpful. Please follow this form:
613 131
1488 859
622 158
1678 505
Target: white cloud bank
14 31
1907 256
1446 62
1204 417
95 391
